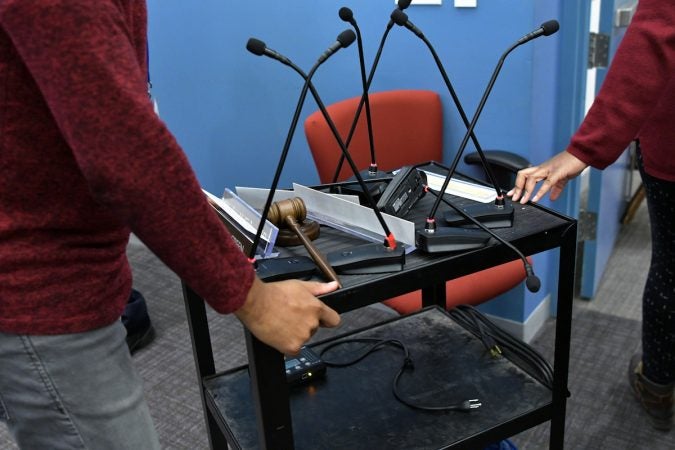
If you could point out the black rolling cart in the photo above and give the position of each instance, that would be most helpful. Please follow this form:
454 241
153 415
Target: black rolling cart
253 407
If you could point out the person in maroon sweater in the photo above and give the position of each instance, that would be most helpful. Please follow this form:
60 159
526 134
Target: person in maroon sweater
636 102
84 161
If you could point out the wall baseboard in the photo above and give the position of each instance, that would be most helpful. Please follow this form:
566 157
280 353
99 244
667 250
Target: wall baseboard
527 330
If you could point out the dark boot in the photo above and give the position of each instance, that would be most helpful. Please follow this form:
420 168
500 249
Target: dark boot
656 399
137 322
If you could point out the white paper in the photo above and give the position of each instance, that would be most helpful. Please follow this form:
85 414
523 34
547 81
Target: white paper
461 188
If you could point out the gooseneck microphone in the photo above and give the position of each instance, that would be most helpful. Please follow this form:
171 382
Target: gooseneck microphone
546 29
433 239
549 27
503 211
344 39
402 4
531 281
347 15
258 47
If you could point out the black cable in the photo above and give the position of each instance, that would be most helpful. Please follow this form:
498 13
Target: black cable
514 349
532 282
524 352
408 365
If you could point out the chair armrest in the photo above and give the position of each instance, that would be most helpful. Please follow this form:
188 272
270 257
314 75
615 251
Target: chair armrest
499 158
504 165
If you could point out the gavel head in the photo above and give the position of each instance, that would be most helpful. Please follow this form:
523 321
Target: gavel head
293 207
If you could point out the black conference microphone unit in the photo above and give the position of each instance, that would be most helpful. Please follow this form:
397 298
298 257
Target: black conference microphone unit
275 267
547 29
499 214
434 239
402 4
347 15
532 282
366 258
492 214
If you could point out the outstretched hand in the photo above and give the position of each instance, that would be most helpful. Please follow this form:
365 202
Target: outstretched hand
285 314
554 175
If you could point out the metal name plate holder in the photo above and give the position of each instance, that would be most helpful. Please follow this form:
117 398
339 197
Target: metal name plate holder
344 213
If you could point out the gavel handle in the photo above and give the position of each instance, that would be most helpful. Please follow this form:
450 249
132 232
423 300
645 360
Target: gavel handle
318 258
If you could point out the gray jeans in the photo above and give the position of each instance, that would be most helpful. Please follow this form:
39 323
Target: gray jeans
73 391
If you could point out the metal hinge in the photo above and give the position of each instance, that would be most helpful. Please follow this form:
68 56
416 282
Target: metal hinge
598 50
587 225
623 16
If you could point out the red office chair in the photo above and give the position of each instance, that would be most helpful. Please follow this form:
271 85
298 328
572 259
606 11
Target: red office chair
408 129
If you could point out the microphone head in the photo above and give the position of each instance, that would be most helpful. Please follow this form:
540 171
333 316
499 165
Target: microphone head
399 17
256 46
550 27
533 283
346 14
346 38
403 4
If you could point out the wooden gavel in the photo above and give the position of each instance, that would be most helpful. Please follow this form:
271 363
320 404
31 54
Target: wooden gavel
292 212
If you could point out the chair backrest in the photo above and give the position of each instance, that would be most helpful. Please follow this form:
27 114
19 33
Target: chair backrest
407 129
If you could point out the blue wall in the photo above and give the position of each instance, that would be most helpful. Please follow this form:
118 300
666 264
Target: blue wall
231 110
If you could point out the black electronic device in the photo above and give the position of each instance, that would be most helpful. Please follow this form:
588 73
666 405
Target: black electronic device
434 239
376 189
452 239
490 217
377 185
306 366
276 269
364 259
373 172
480 211
403 192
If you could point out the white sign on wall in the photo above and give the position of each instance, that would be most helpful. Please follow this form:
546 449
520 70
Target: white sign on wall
423 2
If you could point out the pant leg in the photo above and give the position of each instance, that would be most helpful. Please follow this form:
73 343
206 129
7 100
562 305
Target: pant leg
658 303
75 391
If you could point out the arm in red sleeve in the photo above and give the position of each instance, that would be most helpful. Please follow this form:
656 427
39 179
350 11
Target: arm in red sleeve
83 57
642 67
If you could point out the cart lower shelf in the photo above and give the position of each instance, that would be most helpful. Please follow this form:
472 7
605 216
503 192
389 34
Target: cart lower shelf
354 407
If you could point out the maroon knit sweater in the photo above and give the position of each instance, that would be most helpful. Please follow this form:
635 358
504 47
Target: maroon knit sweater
84 160
637 98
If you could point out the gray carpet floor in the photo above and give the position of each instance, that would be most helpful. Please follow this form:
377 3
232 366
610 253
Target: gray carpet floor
601 413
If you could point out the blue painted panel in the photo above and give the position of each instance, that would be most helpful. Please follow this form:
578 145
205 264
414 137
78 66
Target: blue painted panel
568 104
231 110
607 187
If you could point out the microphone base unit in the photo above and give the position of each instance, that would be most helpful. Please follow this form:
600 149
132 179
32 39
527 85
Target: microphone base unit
277 269
376 183
451 239
367 259
489 214
403 192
